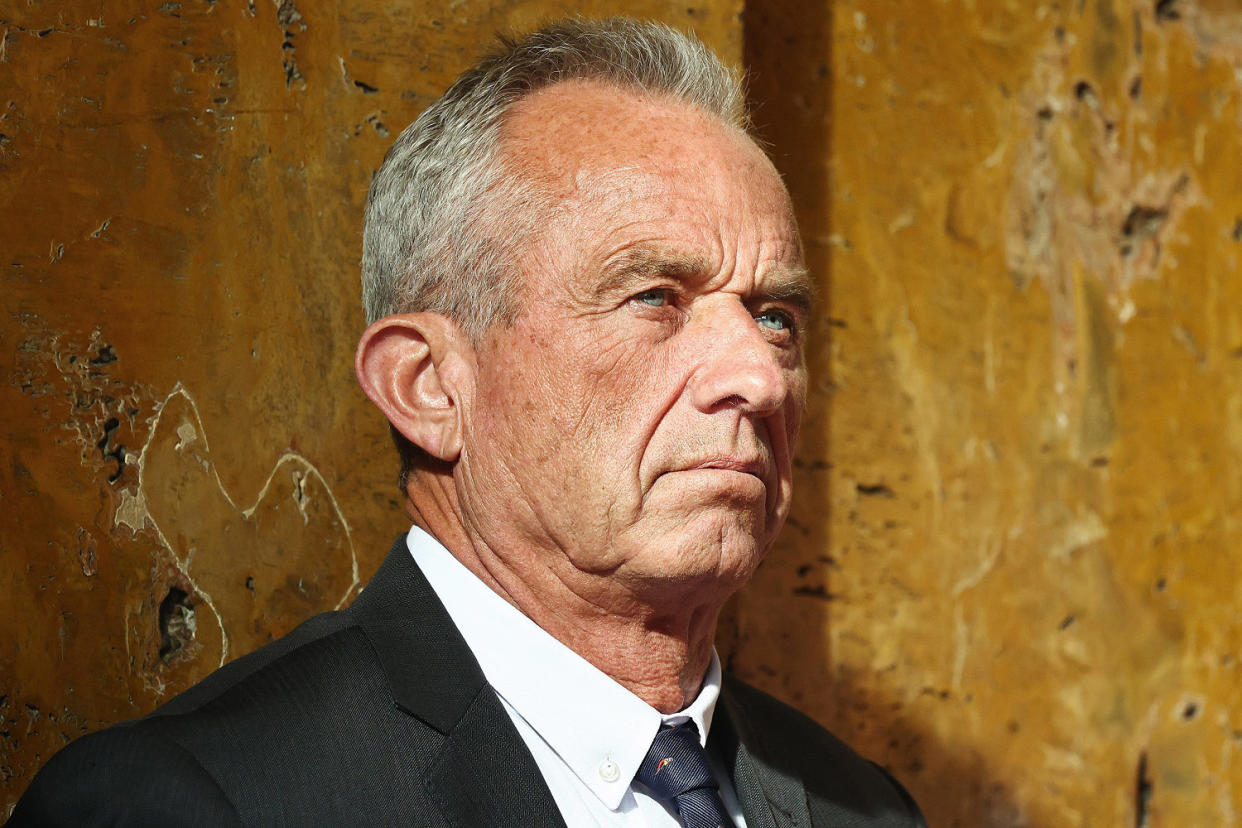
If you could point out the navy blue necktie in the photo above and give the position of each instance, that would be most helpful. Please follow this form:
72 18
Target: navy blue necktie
676 770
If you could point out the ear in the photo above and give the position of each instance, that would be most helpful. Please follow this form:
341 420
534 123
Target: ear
414 367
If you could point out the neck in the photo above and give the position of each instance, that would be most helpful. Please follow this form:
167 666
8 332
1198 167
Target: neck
656 644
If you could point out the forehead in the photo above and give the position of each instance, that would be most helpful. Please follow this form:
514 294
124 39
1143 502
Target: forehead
627 168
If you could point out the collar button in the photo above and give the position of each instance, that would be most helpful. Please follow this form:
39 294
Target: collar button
608 771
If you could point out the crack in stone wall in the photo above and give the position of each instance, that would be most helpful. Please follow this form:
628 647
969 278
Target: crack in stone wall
193 467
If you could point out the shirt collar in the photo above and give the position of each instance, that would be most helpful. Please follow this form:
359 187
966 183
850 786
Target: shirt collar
580 712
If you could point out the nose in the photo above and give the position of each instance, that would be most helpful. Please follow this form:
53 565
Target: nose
739 368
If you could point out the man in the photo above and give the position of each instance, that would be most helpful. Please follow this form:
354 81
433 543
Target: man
587 305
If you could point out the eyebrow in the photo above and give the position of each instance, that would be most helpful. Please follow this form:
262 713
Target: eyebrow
792 285
641 264
788 284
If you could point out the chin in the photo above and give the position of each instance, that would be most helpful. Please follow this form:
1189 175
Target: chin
715 546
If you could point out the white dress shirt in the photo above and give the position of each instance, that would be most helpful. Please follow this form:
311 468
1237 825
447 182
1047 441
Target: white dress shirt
588 734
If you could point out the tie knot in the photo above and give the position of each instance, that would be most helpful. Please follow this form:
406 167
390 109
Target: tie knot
676 771
676 763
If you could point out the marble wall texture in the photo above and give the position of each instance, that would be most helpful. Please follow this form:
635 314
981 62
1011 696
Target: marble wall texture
1016 543
1010 573
190 469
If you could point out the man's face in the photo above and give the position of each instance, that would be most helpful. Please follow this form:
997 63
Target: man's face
636 422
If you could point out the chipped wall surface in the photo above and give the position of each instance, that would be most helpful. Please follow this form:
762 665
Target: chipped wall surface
1009 574
189 468
1026 417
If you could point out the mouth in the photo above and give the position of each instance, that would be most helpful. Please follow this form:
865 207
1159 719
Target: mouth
755 467
725 479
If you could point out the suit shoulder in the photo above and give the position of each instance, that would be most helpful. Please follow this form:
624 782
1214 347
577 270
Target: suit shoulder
126 775
841 785
295 717
288 653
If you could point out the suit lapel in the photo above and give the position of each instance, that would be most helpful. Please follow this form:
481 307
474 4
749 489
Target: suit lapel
483 775
486 776
769 798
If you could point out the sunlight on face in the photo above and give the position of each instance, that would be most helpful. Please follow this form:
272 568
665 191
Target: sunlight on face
637 419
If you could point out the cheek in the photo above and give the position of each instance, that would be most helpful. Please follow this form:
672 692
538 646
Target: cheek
513 409
564 399
606 391
577 398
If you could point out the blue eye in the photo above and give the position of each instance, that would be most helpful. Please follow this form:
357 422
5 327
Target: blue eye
656 297
775 320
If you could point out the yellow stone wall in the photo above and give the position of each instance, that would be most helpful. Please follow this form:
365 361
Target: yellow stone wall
1010 572
189 468
1013 571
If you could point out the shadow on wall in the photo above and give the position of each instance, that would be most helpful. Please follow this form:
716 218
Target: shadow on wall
952 784
789 61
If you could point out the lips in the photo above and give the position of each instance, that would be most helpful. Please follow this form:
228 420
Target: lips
759 466
756 466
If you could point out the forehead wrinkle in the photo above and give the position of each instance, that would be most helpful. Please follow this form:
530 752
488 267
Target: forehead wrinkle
623 177
644 262
622 185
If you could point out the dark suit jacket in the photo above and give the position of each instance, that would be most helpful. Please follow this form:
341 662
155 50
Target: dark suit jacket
379 715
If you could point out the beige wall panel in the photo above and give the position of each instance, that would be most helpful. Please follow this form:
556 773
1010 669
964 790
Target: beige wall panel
1016 539
190 469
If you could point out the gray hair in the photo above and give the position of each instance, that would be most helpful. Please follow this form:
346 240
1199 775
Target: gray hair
443 212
